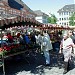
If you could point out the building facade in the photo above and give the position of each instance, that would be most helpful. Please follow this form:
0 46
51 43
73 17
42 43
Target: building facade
26 9
64 14
41 16
16 7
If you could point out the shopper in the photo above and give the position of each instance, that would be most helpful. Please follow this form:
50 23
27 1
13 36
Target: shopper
66 48
46 47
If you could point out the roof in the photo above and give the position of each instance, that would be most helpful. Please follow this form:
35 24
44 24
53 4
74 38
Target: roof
24 5
15 4
9 19
67 8
40 13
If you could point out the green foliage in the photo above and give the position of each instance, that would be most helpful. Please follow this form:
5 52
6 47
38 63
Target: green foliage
52 19
72 19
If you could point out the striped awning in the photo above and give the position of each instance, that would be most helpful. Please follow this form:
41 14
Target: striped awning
16 19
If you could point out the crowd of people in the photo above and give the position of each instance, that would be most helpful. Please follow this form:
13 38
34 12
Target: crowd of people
42 39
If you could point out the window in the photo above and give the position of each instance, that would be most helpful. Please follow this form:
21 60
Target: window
64 18
64 23
67 23
60 19
60 14
44 17
44 21
69 13
14 12
65 13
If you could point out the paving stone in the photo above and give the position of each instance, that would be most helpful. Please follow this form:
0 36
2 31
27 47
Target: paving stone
36 69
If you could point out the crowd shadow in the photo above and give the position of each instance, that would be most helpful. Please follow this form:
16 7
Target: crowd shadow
35 64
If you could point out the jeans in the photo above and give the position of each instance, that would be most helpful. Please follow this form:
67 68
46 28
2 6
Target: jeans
47 57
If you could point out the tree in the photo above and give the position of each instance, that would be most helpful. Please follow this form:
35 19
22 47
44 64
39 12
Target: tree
72 19
52 19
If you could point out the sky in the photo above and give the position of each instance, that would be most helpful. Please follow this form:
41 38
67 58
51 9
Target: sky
47 6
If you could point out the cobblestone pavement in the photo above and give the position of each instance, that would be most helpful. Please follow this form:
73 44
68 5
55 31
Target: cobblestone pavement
35 65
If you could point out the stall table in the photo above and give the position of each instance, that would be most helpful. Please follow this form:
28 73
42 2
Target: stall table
3 56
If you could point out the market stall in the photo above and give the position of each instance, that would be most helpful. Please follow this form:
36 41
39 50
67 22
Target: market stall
10 49
15 48
13 25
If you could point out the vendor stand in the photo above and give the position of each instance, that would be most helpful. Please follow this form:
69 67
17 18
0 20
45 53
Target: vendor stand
13 49
16 49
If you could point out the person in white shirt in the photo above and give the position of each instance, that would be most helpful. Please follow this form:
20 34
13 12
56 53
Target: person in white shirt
66 47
